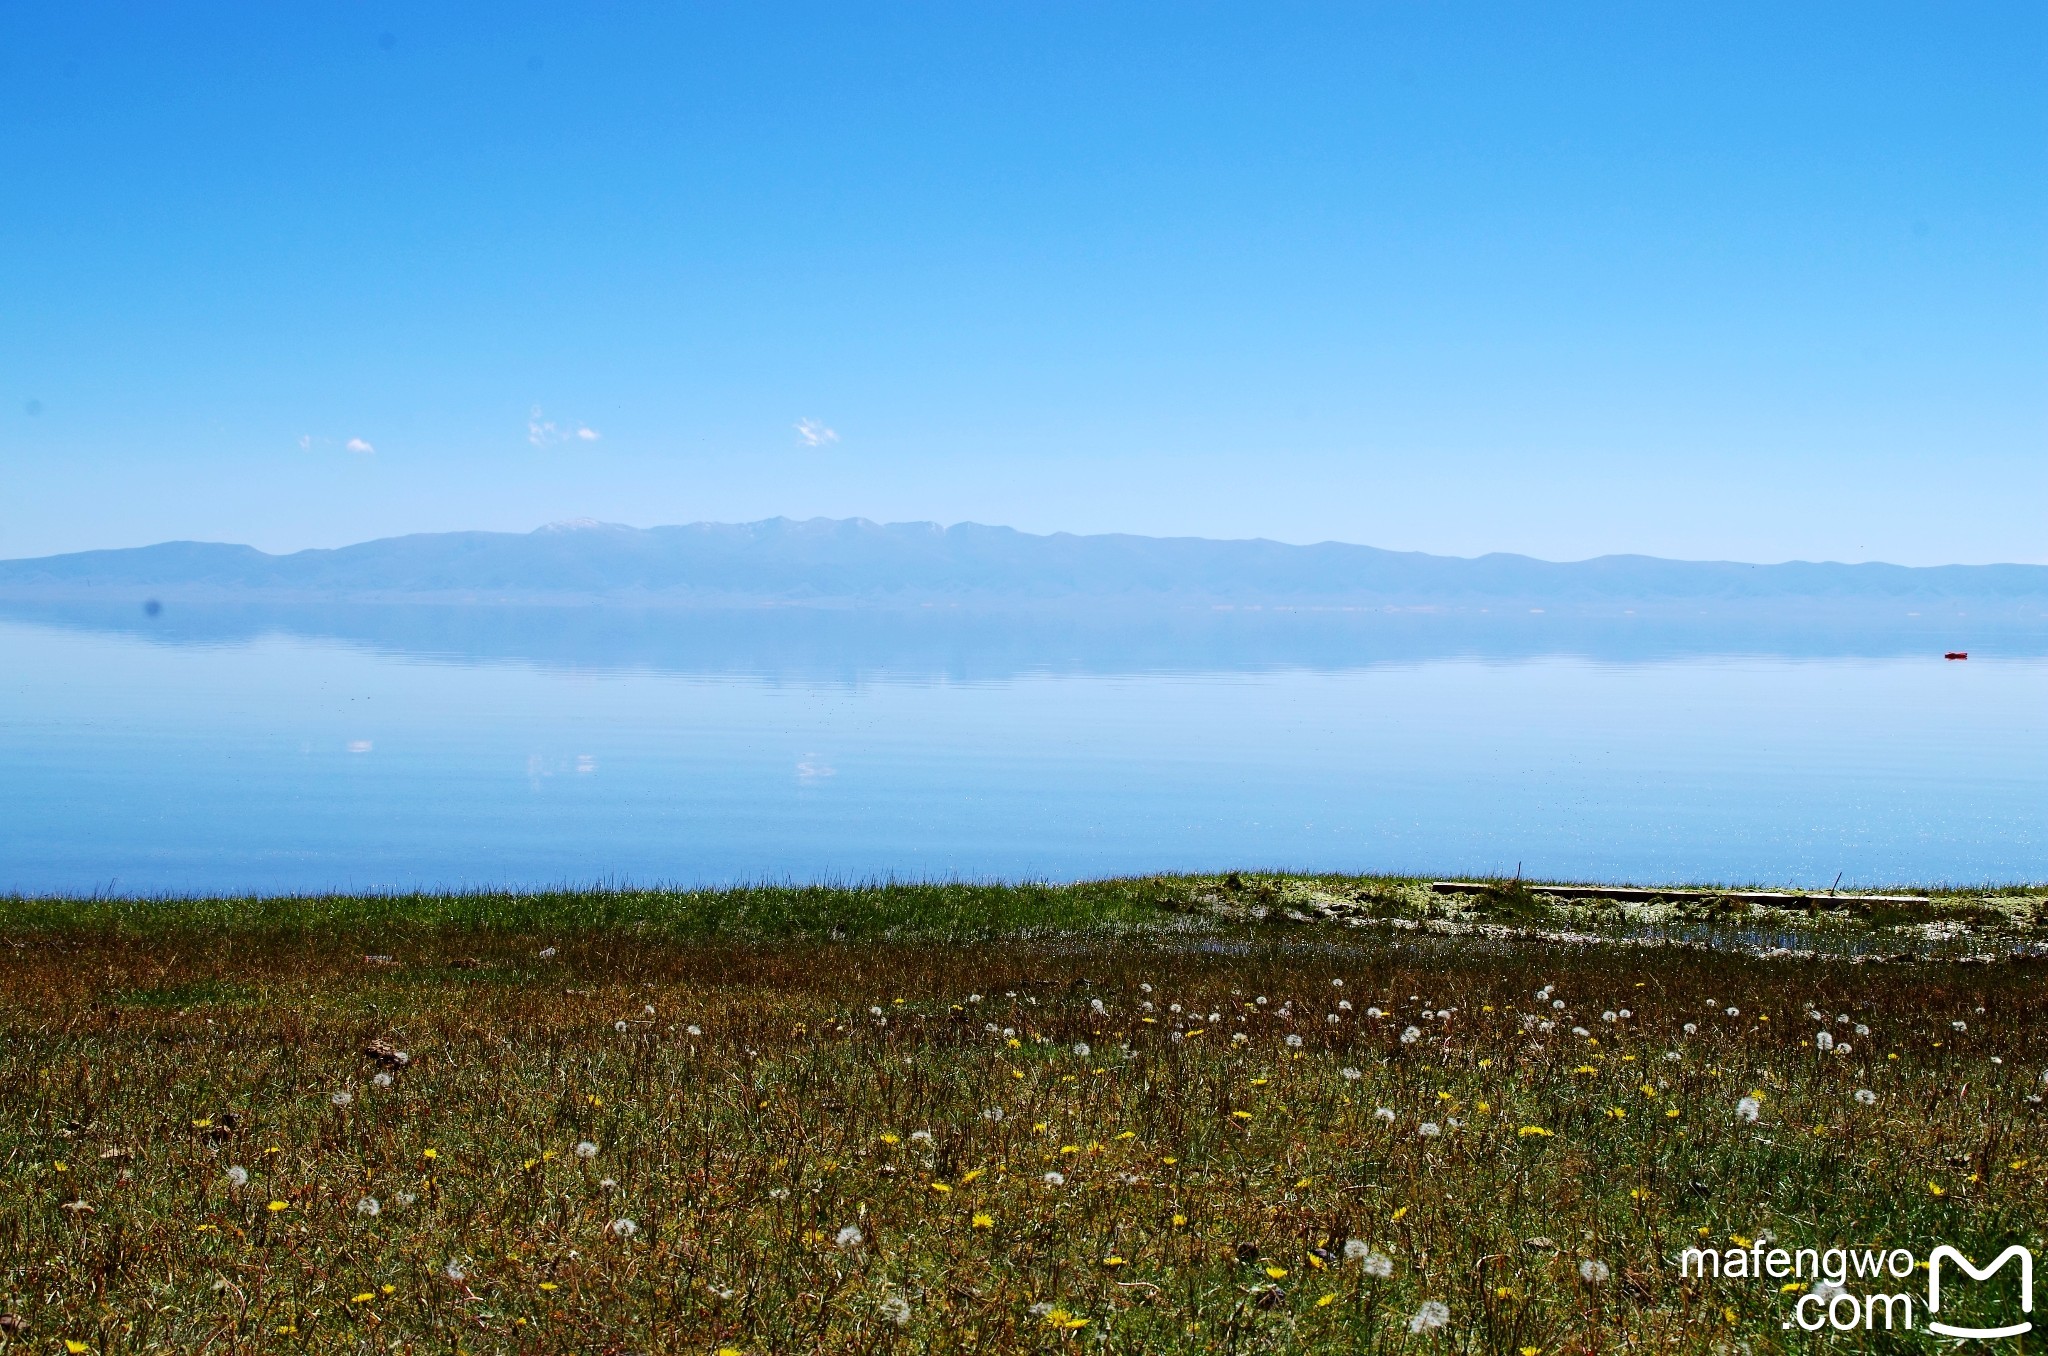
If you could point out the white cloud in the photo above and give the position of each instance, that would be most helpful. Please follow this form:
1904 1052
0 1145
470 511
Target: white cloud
358 445
812 433
541 430
305 442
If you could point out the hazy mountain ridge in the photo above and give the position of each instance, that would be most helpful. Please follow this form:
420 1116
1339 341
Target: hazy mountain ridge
854 560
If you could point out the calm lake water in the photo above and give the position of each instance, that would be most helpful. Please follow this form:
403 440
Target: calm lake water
396 750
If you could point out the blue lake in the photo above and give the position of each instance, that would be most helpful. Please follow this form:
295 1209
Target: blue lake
405 749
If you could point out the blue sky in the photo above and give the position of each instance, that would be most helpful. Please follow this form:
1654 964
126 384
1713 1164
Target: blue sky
1754 281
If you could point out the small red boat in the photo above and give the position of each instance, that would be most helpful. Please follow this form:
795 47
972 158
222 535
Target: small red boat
1957 654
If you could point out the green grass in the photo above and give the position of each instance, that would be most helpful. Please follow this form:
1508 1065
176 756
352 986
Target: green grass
1209 1184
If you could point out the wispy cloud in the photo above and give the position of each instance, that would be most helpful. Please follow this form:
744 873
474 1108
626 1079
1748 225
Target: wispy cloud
359 446
812 433
541 430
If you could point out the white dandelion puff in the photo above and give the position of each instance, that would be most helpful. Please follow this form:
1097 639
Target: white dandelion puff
1351 1075
586 1151
849 1237
896 1309
1385 1113
1748 1109
993 1115
1593 1271
1581 1032
1866 1097
238 1176
1055 1179
1432 1315
342 1098
1293 1042
1429 1130
1822 1041
1608 1015
1411 1035
368 1207
694 1030
380 1079
624 1228
1081 1049
455 1271
619 1025
1377 1264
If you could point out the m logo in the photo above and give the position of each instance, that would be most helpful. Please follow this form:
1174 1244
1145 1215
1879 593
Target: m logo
1934 1261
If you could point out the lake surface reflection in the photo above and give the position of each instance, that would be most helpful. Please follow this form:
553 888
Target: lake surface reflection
266 749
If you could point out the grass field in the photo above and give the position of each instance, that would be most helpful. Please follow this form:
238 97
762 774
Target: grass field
1164 1115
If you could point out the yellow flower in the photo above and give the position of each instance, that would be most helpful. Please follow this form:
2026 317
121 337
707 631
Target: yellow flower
75 1347
941 1188
430 1153
549 1285
388 1289
730 1351
1617 1113
276 1206
1060 1318
1486 1063
1326 1300
1530 1351
1671 1113
971 1174
1528 1130
1302 1185
1792 1286
1481 1107
1258 1082
1112 1261
1397 1214
1128 1134
1315 1262
1241 1115
891 1139
1937 1188
984 1221
363 1298
1180 1221
1277 1273
1169 1160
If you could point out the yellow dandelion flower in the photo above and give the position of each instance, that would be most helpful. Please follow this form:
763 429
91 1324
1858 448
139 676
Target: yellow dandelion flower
1937 1189
1397 1214
971 1174
1241 1115
1529 1131
430 1153
549 1285
1112 1261
984 1221
276 1206
1128 1134
75 1347
1180 1221
1277 1273
891 1139
1325 1301
1169 1160
1486 1063
363 1298
941 1188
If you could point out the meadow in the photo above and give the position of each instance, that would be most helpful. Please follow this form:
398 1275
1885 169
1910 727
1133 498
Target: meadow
1165 1115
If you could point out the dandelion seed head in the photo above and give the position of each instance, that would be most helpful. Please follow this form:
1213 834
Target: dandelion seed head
368 1207
896 1309
1293 1042
380 1079
624 1228
1081 1049
1580 1031
1055 1179
1411 1035
547 953
586 1150
1866 1096
1692 1028
993 1115
1355 1250
619 1025
1557 1005
1429 1130
1385 1113
455 1271
1748 1109
1432 1315
238 1176
1734 1012
1374 1012
1823 1041
694 1030
1351 1075
1608 1016
1593 1271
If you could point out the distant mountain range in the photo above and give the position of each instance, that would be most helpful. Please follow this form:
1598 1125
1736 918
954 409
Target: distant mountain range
853 561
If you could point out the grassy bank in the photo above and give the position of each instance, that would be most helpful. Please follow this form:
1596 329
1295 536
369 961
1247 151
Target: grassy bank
1174 1114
